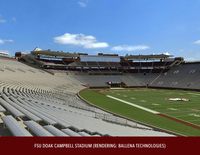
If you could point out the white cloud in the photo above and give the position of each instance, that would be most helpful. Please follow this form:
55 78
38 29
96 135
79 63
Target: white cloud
13 19
4 41
86 41
166 53
130 48
197 42
4 51
83 3
2 20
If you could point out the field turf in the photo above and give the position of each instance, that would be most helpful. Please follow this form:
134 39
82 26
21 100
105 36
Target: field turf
154 99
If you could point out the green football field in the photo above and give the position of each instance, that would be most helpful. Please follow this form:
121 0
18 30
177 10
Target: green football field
152 107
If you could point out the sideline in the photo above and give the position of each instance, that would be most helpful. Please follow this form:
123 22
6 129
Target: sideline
134 105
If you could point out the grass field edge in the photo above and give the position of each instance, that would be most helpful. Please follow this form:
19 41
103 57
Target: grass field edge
196 126
180 120
137 121
167 115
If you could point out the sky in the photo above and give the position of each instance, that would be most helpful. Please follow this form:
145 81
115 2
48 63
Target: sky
108 26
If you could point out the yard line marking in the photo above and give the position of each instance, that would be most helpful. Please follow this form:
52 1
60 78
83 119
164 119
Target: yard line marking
195 115
193 93
134 105
174 109
194 120
196 110
155 104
